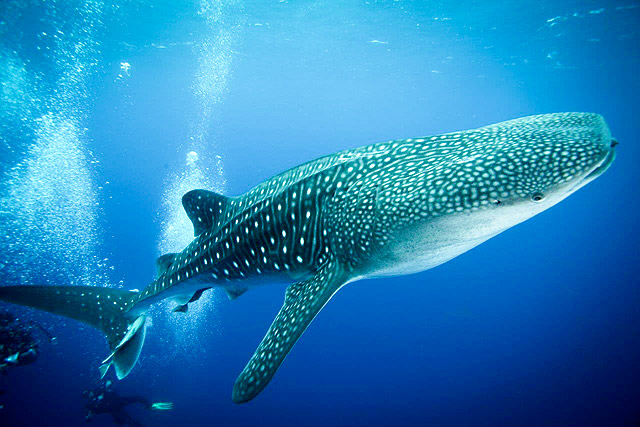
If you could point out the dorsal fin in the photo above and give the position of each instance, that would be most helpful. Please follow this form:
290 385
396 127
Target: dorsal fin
204 209
164 262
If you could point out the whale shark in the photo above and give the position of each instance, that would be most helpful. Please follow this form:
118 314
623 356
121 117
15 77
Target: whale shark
388 209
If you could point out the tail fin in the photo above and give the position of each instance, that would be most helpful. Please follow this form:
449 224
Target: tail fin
105 309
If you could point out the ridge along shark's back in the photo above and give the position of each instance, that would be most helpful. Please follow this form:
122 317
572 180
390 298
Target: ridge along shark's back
390 208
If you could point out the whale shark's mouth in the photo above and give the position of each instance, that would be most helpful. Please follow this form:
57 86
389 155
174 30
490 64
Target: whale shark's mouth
602 167
598 170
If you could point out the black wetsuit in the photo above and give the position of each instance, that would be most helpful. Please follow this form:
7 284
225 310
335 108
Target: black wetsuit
105 401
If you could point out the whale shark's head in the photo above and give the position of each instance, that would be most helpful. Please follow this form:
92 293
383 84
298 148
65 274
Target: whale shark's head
480 182
535 162
516 169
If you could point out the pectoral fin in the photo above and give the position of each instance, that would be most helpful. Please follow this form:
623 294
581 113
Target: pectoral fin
303 301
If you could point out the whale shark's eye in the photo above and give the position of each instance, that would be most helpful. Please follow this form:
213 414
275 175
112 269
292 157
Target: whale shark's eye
537 197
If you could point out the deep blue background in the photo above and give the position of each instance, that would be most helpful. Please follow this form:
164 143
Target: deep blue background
538 326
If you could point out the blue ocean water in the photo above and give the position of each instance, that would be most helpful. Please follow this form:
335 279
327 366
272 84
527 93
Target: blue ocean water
111 111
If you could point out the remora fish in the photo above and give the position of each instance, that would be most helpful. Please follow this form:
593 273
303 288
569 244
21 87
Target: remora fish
387 209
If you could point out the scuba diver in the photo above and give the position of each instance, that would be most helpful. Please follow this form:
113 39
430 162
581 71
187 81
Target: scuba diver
18 344
104 400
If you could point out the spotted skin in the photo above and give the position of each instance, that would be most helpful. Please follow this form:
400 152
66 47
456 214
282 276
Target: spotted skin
302 302
391 208
354 203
